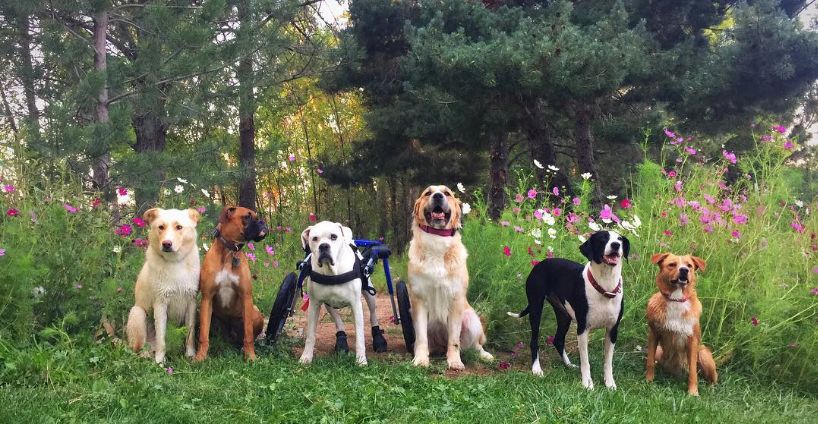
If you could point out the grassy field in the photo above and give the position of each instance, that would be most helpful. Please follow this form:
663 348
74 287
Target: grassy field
110 384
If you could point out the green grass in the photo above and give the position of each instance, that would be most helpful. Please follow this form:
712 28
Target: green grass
110 384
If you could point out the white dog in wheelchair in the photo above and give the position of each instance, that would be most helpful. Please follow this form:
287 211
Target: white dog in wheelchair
335 280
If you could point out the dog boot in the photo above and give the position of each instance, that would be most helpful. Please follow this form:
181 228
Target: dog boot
341 345
378 340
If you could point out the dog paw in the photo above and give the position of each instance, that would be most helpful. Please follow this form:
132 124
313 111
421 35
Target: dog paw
200 357
421 361
588 383
486 356
693 392
305 360
159 358
250 357
610 384
649 377
537 371
456 364
361 361
190 352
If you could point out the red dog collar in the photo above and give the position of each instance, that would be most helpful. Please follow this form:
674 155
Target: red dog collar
681 300
608 294
446 232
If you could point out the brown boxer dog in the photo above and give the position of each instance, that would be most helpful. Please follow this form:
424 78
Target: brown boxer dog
226 284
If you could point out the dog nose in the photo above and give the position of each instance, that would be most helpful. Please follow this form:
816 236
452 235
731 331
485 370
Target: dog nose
437 196
683 271
323 246
167 244
615 245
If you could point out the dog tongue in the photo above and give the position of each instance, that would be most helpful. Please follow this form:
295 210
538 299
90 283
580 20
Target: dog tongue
438 215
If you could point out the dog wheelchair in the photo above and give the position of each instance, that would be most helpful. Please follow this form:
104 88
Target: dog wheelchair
371 252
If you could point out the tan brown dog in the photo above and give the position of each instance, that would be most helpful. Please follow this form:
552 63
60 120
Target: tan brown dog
674 335
226 284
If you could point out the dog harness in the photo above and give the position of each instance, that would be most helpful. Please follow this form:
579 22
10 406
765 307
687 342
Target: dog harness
608 294
446 232
355 272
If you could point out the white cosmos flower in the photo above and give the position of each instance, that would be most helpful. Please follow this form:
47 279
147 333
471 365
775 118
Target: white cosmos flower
637 222
38 292
536 233
121 200
466 208
179 188
552 233
611 196
586 175
537 241
538 164
548 218
627 225
181 180
206 193
799 203
594 226
117 249
165 191
461 188
582 238
551 248
553 168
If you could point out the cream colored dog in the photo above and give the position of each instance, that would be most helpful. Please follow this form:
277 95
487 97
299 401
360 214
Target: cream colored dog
438 279
168 281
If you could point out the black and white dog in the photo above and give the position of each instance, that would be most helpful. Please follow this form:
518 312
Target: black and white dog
591 294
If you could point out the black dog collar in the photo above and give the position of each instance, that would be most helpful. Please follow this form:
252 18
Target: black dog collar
334 280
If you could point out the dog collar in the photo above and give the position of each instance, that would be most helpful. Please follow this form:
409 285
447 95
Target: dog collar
608 294
446 232
680 300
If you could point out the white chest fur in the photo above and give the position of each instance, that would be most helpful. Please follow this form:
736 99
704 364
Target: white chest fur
227 283
430 278
675 319
603 311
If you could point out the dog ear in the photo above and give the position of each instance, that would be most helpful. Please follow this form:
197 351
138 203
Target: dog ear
346 232
699 262
305 238
657 258
194 215
416 213
150 215
626 246
457 213
587 250
226 214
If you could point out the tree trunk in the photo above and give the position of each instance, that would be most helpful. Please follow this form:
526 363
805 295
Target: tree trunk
27 67
541 148
150 140
247 112
7 111
103 162
584 142
498 173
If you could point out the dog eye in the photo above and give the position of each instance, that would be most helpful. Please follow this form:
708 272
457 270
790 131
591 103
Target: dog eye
333 237
447 193
161 227
315 239
671 265
689 265
178 227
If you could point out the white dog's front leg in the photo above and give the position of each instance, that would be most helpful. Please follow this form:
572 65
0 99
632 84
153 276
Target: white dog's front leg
584 365
421 320
454 324
608 365
312 322
360 346
160 321
190 323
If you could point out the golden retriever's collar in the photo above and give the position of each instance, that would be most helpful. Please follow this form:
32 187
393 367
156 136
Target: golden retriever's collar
446 232
597 287
680 300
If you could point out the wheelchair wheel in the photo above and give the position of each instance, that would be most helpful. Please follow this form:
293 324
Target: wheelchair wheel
282 307
404 308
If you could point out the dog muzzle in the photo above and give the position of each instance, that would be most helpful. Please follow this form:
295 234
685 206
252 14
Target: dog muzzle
256 230
325 256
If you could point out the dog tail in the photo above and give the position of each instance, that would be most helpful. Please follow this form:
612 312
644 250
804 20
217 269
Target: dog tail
707 365
522 313
137 328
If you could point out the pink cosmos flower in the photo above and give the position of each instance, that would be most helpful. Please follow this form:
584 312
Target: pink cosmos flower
572 218
549 340
515 210
503 365
754 321
625 203
695 205
518 198
556 211
201 210
69 208
291 157
122 191
251 256
269 250
169 370
12 212
139 222
766 138
96 202
251 246
678 186
726 205
723 186
504 223
532 193
708 228
9 188
813 292
123 230
679 202
275 264
730 156
534 262
780 129
710 199
556 191
671 174
690 150
740 218
667 233
2 252
507 251
519 229
815 270
319 171
550 254
312 217
606 212
789 145
736 234
538 213
797 226
576 201
140 242
683 219
669 133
